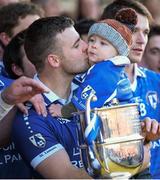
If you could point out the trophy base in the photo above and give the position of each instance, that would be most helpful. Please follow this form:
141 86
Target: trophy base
120 175
119 169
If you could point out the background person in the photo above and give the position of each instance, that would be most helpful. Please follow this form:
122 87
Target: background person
145 83
14 59
50 7
6 2
89 9
151 56
14 18
17 64
153 7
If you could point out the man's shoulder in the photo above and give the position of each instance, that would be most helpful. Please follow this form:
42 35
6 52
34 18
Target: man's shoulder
149 74
33 118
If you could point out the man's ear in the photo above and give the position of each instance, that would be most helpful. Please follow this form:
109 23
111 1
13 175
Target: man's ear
53 60
4 38
17 70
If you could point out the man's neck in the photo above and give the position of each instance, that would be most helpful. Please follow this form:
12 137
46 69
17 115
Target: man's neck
130 71
60 85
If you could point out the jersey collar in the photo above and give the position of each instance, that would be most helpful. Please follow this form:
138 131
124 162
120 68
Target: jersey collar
52 97
120 60
137 73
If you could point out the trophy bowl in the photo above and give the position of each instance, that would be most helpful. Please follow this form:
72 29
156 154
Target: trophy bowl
110 140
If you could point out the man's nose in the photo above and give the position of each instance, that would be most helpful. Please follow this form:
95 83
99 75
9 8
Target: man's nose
142 39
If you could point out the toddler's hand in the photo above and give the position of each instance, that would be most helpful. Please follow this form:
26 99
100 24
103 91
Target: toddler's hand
55 110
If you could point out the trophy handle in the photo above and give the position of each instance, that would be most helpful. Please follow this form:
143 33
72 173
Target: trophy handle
92 97
95 164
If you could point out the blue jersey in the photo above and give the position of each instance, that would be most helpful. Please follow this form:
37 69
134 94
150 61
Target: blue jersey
146 91
107 80
4 82
2 70
38 137
11 163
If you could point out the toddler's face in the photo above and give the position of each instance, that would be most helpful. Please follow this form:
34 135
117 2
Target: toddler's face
100 49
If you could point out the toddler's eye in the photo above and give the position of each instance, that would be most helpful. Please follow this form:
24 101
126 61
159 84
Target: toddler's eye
90 40
103 43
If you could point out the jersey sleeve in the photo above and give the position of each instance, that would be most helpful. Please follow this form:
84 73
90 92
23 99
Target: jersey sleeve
4 107
101 80
34 138
4 82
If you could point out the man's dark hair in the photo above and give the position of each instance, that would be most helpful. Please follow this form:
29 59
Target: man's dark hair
13 54
41 38
10 15
111 9
82 26
154 30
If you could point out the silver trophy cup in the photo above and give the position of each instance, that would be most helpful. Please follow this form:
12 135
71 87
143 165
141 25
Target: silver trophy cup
110 140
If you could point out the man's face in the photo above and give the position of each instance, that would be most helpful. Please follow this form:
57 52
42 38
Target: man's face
24 23
139 39
151 56
74 52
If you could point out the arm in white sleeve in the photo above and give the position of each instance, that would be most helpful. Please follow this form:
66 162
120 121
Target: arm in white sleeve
4 108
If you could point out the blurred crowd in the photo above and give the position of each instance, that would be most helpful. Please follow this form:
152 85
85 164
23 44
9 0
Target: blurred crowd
89 11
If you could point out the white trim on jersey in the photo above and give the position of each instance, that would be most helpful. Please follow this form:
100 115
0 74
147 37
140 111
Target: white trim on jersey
4 108
45 154
137 72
